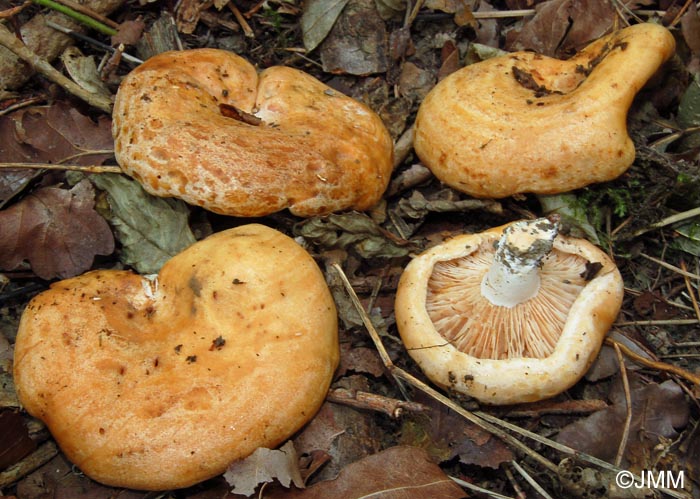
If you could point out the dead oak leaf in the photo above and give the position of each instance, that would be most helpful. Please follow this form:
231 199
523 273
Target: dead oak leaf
397 472
56 230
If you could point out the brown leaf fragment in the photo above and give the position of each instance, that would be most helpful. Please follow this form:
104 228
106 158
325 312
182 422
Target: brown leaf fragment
659 411
396 473
15 442
561 27
357 43
129 32
359 360
56 230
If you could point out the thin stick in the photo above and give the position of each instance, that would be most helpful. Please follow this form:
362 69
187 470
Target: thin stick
530 480
53 166
89 12
691 291
78 16
92 41
476 488
653 364
628 400
241 20
671 267
9 40
664 322
374 402
678 217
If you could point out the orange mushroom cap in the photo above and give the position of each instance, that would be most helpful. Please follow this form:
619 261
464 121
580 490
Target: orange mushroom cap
159 383
532 338
524 122
203 126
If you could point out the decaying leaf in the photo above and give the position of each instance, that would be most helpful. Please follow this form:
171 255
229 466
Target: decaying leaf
354 231
396 473
49 134
83 70
151 230
264 466
446 435
14 439
658 412
561 27
572 213
56 230
317 20
357 43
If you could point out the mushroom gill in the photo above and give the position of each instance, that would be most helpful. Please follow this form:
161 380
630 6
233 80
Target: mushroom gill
480 329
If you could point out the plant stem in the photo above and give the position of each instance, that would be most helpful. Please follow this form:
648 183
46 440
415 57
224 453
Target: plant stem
78 16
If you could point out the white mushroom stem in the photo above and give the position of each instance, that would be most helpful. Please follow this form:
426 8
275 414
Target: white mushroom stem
513 277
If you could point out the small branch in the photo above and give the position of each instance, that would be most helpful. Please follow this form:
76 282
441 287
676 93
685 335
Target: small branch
53 166
628 400
671 267
89 12
678 217
365 400
9 40
83 19
653 364
33 461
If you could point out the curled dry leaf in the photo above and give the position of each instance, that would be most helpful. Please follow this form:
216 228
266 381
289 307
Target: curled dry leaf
56 230
658 412
264 466
395 473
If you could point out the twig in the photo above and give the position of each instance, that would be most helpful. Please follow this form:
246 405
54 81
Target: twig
659 366
660 322
40 65
519 493
53 166
530 480
241 20
78 16
628 400
535 410
92 41
89 12
691 291
476 488
678 217
671 267
374 402
39 457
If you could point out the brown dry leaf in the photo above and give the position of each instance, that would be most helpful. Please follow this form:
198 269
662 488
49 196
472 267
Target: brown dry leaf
446 435
129 32
15 442
59 479
264 466
659 411
396 473
344 433
49 134
56 230
357 43
359 360
561 27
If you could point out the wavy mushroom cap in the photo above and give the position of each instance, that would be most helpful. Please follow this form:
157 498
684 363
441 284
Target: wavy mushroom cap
160 383
524 122
203 126
504 354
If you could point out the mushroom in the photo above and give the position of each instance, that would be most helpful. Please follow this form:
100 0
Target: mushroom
203 126
161 382
514 314
524 122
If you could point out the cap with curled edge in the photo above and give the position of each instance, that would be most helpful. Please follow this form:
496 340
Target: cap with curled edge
202 125
524 122
159 383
